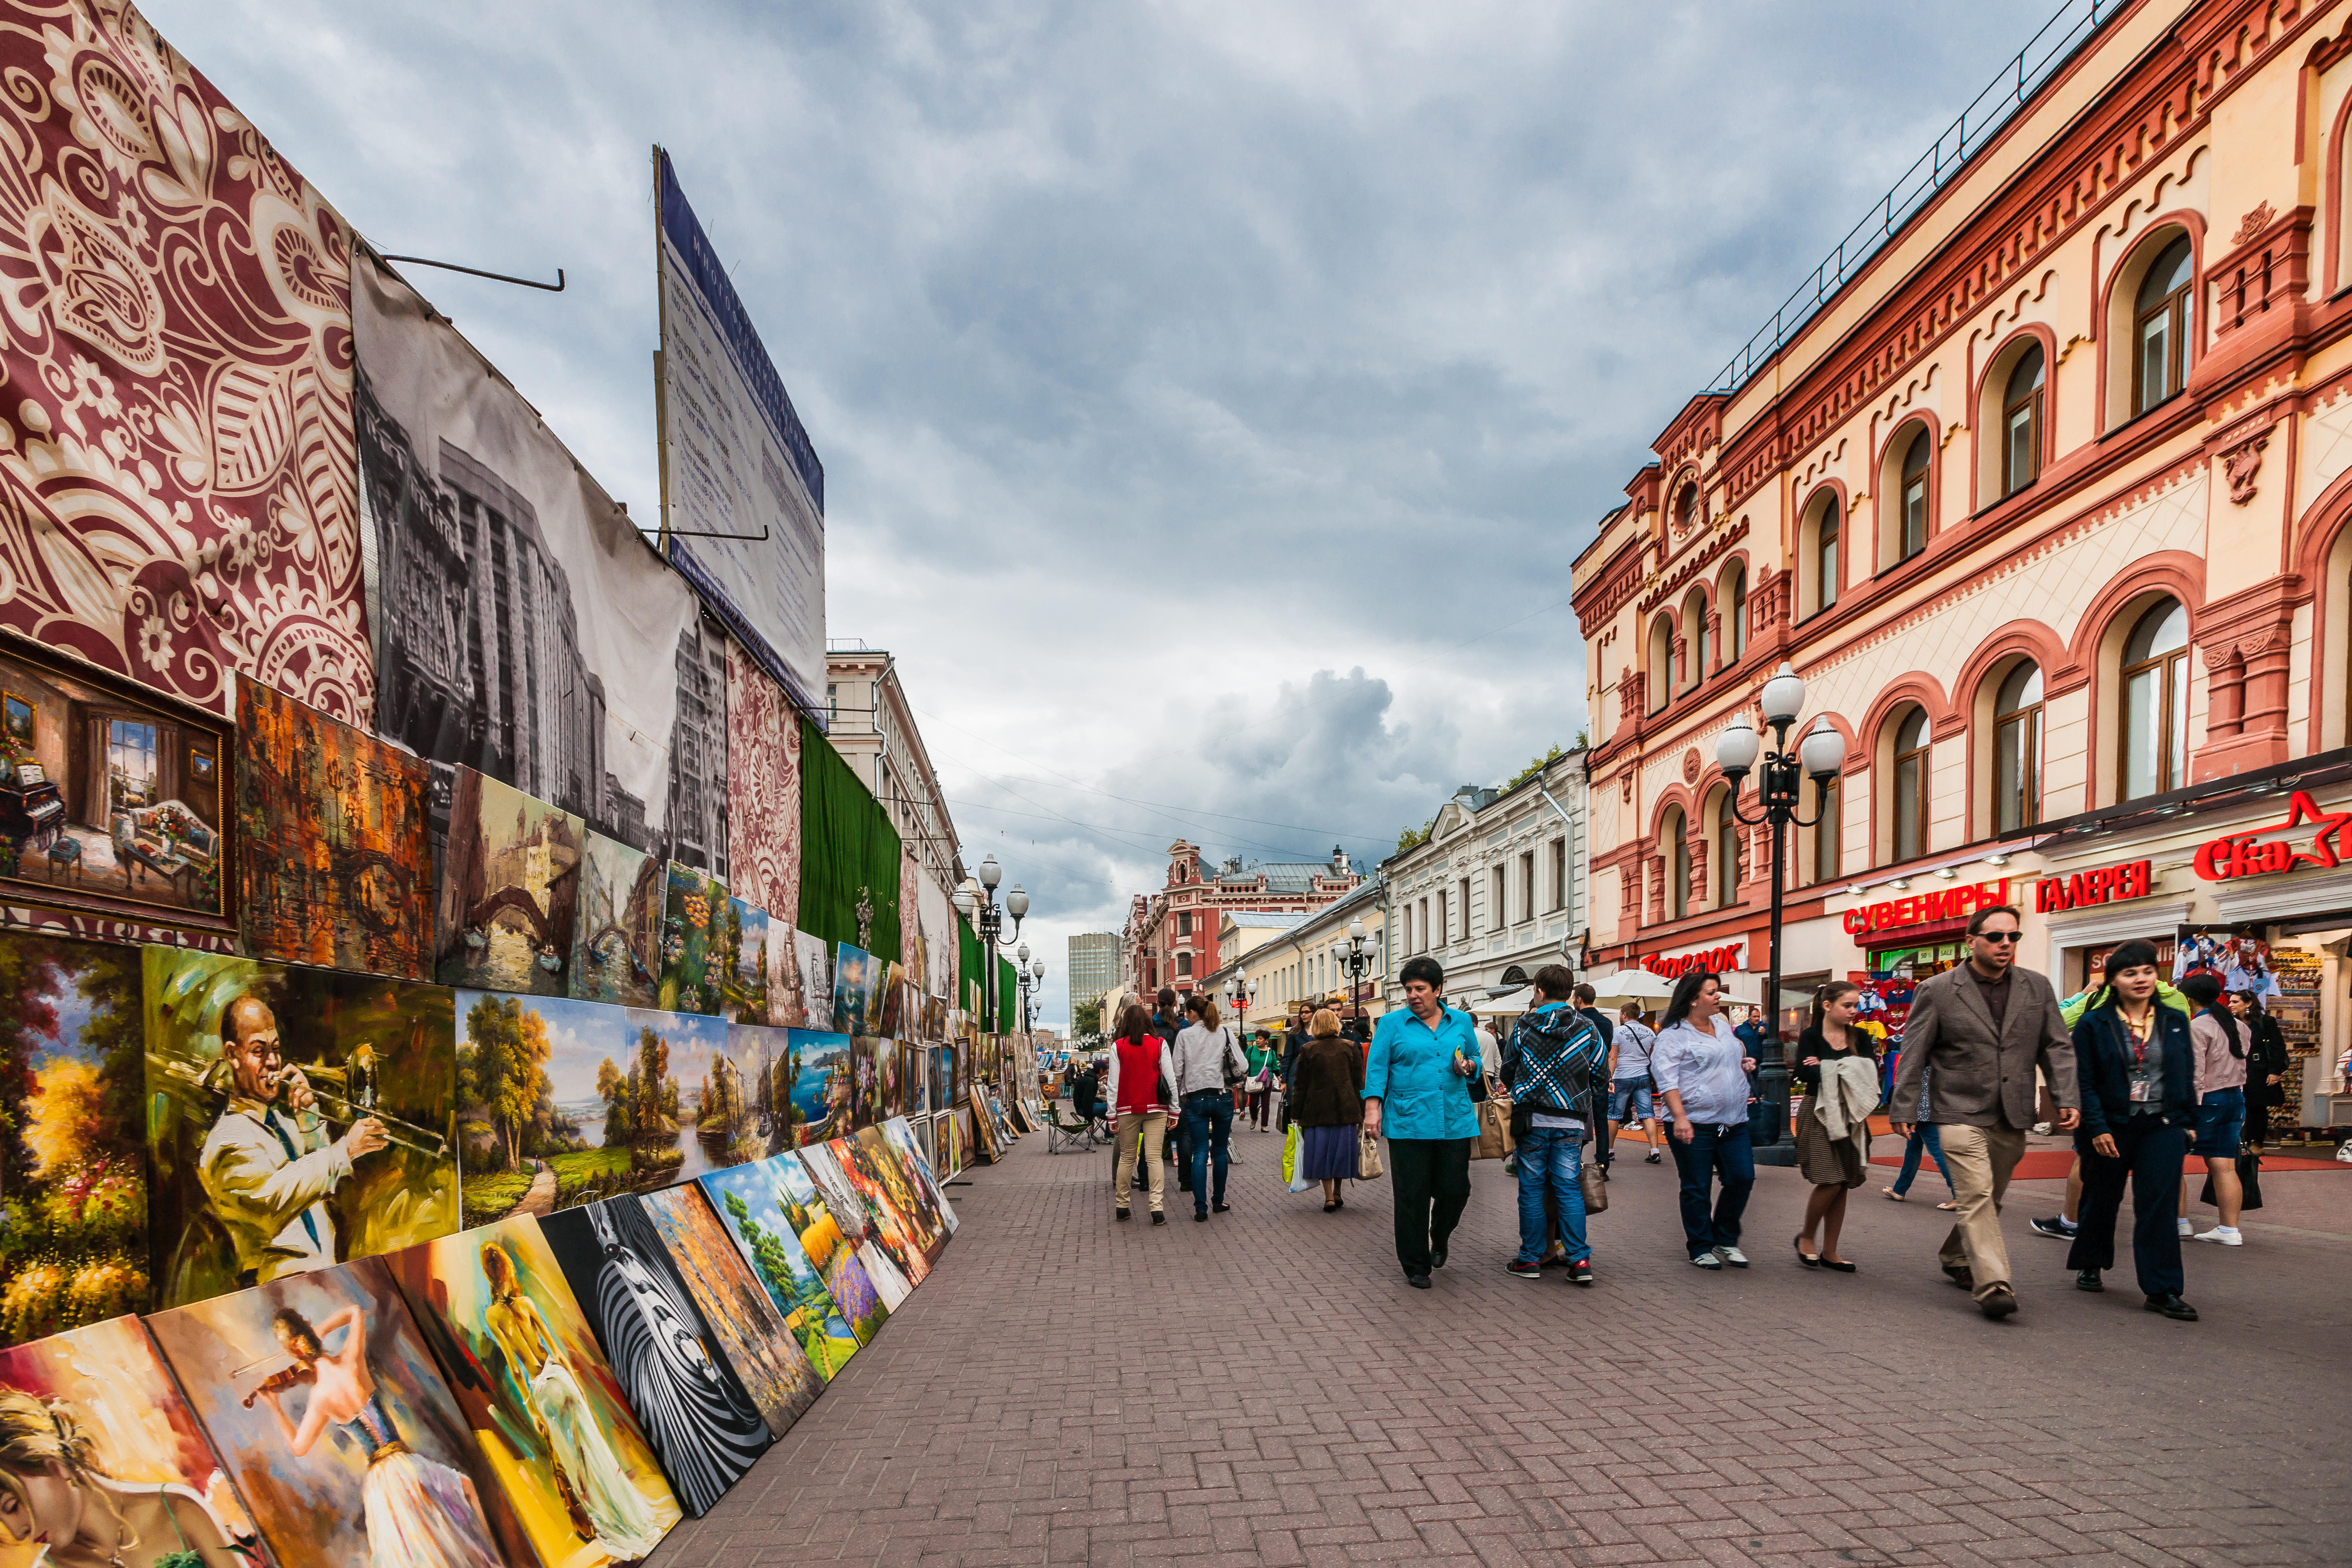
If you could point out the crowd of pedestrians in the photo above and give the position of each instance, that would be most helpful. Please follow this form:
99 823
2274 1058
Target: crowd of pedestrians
2141 1074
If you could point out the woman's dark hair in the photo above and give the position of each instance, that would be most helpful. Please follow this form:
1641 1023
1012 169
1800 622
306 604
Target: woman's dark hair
2131 954
2253 1001
1422 968
1829 994
1133 1020
2205 990
1686 990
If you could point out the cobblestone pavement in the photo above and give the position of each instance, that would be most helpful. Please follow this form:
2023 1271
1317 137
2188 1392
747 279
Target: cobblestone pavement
1263 1388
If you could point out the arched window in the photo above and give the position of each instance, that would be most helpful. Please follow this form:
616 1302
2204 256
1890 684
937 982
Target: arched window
1914 496
1662 662
1735 613
2156 701
1727 854
1910 801
2160 323
1694 638
1677 848
2020 423
2016 750
1826 556
1686 510
1828 845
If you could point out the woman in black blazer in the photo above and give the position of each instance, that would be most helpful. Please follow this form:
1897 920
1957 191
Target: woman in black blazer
2265 1067
2137 1072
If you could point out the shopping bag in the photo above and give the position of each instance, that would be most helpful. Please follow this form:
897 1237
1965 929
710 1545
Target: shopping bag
1494 1139
1595 1182
2250 1177
1368 1155
1290 1152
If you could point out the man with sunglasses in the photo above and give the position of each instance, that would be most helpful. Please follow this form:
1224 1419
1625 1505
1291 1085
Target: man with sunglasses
1984 1027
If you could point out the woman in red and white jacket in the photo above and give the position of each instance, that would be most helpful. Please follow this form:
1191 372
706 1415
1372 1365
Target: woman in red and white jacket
1139 1066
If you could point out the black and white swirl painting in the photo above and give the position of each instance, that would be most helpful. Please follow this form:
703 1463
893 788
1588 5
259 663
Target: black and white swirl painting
703 1425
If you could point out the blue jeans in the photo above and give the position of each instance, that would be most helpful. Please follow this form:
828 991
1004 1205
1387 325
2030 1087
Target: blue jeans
1629 1094
1712 1155
1551 1158
1923 1136
1208 1126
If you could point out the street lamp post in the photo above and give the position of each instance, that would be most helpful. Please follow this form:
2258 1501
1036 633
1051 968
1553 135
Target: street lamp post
1356 958
1818 756
1033 976
977 902
1239 990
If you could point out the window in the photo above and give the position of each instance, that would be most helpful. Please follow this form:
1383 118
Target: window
2020 423
2160 321
1914 496
832 705
2156 702
1662 661
2016 750
130 753
1686 510
1465 887
1735 613
1495 909
1528 885
1825 557
1444 925
1560 873
1727 854
1183 965
1677 867
1425 944
1183 925
1827 841
1911 785
1694 638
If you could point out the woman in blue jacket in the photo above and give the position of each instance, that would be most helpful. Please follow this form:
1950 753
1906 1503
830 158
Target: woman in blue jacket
2137 1069
1417 1090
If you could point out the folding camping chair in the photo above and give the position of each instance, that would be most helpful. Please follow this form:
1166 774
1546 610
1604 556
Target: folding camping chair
1067 1130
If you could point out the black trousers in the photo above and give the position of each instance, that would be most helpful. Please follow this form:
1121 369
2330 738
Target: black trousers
1429 1178
2150 1155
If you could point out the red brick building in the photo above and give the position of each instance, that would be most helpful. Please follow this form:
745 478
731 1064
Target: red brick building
1171 937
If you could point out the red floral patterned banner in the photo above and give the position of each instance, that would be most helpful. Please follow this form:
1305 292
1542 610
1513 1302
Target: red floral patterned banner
763 791
178 489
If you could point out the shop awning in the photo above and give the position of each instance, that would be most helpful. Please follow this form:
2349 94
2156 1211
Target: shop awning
2158 812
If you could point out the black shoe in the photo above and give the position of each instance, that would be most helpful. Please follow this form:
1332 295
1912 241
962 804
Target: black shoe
1159 1219
1219 1208
1580 1272
2087 1279
1960 1277
1418 1281
1651 1158
1121 1213
1437 1256
1998 1302
2055 1227
1201 1217
2171 1306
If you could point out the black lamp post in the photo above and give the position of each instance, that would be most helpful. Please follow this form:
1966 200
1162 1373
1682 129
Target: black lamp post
1032 977
978 904
1820 755
1355 957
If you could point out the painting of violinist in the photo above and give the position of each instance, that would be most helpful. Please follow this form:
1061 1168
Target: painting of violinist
297 1119
323 1397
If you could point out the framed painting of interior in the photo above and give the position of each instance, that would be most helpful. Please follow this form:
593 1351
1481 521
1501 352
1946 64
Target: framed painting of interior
111 795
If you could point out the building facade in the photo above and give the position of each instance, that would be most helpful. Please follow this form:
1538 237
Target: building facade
1300 963
1093 965
871 724
2047 503
1497 889
1171 936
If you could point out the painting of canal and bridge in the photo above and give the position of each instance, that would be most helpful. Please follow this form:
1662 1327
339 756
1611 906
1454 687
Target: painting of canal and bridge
617 936
509 890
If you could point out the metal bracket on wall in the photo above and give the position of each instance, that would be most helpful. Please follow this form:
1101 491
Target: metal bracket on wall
758 538
554 288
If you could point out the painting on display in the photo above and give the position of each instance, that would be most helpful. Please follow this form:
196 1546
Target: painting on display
508 896
176 453
815 977
837 1234
535 1389
139 1453
297 1118
2238 956
617 930
332 824
926 1146
110 800
751 1204
766 1359
770 1060
906 1137
856 975
700 1421
322 1395
73 1172
897 1020
942 1065
763 791
824 1086
910 1231
578 669
699 936
865 1053
787 986
743 995
564 1102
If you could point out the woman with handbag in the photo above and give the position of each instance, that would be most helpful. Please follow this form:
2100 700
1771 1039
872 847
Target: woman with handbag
2265 1067
1327 1101
1836 1160
1143 1088
1208 1062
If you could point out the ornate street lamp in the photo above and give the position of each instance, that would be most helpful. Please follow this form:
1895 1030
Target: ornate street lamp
1818 756
1356 956
976 901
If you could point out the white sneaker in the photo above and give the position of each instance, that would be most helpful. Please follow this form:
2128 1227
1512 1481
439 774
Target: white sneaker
1708 1260
2188 1229
2227 1235
1732 1255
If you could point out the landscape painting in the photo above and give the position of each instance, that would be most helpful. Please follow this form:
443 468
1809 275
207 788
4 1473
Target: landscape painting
824 1086
743 990
509 896
698 955
73 1168
333 833
564 1102
701 1423
907 1236
108 799
537 1391
319 1392
105 1384
617 930
750 1206
768 1361
923 1167
829 1187
856 973
252 1069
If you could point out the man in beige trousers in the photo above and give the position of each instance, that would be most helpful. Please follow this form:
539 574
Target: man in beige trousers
1983 1027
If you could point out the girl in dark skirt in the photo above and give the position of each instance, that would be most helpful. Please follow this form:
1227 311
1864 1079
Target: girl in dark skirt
1327 1102
1834 1165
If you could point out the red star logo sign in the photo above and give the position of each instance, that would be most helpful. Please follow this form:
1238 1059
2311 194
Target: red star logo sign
2239 854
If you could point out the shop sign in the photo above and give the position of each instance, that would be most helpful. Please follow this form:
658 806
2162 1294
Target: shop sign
2237 854
2103 885
1716 959
1926 909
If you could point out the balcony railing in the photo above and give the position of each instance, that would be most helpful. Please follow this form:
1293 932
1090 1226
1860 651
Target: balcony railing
2052 48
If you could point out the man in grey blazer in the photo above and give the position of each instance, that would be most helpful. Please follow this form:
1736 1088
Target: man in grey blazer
1984 1027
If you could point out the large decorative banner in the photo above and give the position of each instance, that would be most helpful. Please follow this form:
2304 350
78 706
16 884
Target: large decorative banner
935 918
509 890
782 1380
176 494
618 932
524 628
335 834
297 1118
763 790
564 1102
701 1423
72 1131
742 477
768 1239
538 1392
324 1399
133 1450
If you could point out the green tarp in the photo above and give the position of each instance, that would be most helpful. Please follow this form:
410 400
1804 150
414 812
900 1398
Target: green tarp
847 844
1008 996
971 971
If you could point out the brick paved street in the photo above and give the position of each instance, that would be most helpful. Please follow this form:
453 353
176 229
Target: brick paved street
1265 1389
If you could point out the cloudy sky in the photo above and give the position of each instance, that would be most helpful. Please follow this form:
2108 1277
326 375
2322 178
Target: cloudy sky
1213 396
